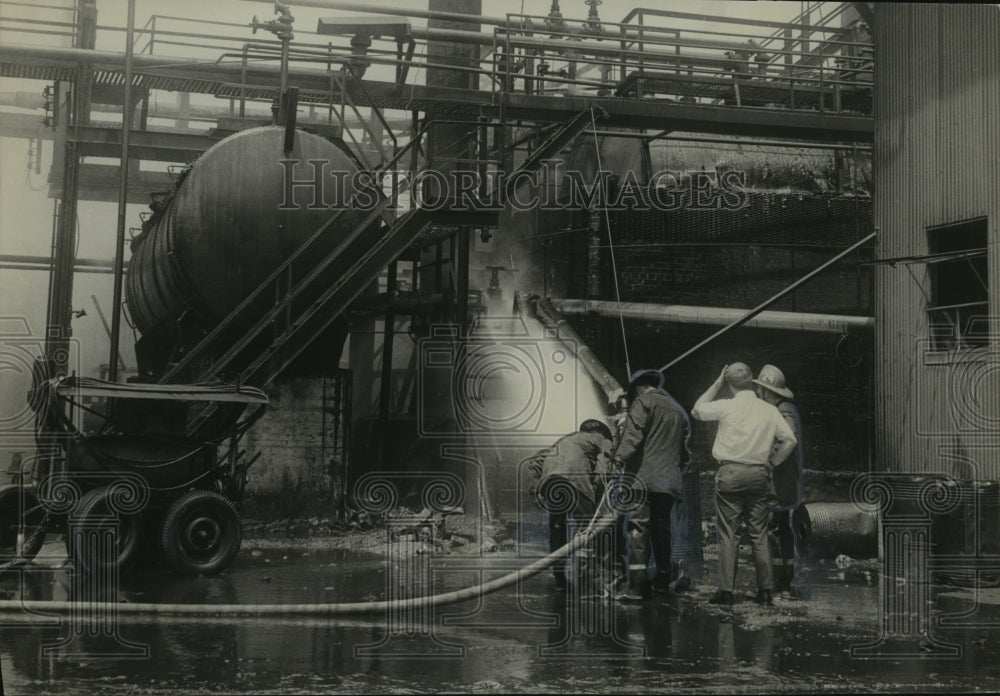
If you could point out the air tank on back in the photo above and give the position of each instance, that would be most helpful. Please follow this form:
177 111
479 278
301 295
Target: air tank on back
225 231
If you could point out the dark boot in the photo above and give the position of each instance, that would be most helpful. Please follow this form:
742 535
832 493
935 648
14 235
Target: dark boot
764 597
638 590
587 574
722 597
619 582
682 583
782 578
661 583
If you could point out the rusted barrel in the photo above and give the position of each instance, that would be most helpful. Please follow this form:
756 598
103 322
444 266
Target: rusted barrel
826 530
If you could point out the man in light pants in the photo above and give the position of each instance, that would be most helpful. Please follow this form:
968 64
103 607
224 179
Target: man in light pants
748 429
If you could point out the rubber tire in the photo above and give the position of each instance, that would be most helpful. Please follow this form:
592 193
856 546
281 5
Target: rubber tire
93 504
10 518
202 533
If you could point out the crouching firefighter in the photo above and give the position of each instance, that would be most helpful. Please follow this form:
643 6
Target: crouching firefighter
568 481
652 453
787 478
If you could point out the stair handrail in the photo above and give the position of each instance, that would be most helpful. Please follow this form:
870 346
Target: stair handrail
359 264
278 272
268 283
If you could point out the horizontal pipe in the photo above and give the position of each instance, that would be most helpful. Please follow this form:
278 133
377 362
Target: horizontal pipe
407 10
399 10
715 316
593 47
673 14
399 302
759 309
569 41
4 266
548 314
143 61
44 263
106 58
728 141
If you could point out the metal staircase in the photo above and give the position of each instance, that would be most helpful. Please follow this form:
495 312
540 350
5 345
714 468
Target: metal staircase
307 303
383 247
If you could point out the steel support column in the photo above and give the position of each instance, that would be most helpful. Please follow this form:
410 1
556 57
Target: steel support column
128 112
57 322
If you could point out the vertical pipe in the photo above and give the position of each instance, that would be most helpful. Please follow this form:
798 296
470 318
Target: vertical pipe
119 266
804 34
388 338
414 129
77 111
593 287
345 399
58 329
283 88
450 142
462 279
243 84
788 46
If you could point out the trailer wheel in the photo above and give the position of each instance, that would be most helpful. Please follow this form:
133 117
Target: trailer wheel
92 507
202 533
13 510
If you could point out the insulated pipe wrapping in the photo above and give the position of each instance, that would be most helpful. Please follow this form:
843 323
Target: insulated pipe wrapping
339 609
715 316
548 315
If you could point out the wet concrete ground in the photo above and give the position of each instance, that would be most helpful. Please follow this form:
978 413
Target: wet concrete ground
526 639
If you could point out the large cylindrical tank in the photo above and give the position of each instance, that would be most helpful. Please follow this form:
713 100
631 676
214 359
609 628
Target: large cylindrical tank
224 231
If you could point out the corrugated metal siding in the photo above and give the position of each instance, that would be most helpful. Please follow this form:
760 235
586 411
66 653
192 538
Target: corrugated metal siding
937 155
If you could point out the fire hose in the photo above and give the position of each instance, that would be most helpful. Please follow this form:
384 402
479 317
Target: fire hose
582 537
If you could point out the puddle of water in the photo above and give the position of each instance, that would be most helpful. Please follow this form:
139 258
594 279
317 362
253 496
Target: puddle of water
520 639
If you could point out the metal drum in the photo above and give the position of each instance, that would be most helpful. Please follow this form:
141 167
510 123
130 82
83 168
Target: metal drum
826 530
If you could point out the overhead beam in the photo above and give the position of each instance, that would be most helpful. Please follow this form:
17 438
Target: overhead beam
154 146
98 182
631 113
697 118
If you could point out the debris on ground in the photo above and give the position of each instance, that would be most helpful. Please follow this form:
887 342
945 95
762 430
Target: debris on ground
426 531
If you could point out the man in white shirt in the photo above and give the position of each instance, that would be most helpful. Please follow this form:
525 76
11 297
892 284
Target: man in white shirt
744 448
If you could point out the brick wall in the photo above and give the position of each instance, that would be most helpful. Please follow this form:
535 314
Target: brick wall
830 373
299 463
